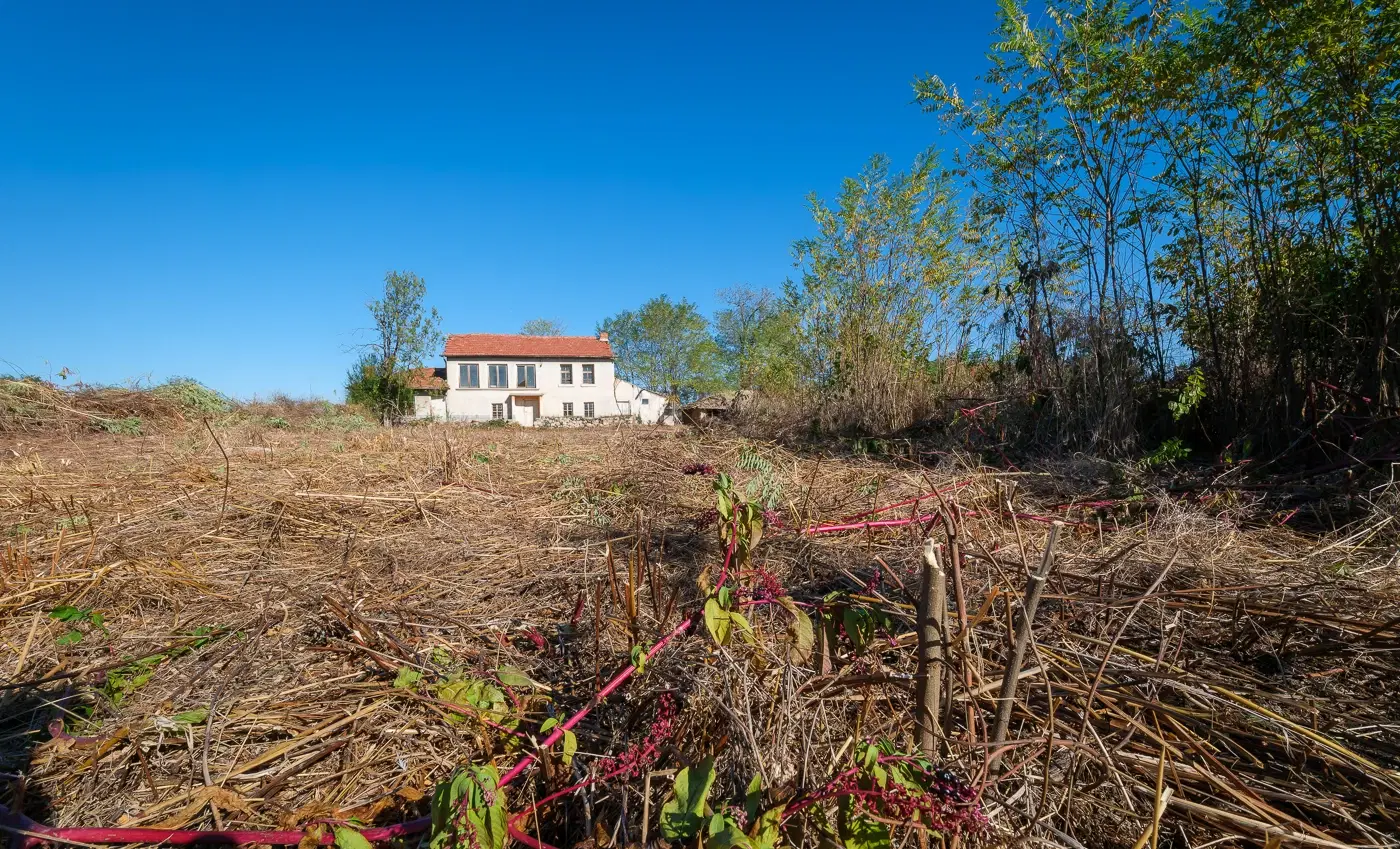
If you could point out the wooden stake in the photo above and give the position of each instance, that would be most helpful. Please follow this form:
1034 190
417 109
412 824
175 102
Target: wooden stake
933 610
1034 585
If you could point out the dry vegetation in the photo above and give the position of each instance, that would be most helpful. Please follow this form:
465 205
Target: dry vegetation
281 638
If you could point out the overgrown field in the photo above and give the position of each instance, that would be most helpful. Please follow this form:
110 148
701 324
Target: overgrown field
267 625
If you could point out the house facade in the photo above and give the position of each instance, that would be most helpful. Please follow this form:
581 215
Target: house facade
526 379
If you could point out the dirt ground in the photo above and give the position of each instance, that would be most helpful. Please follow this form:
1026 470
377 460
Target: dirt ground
258 626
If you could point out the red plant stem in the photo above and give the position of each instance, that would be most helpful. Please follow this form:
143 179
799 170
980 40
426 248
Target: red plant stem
907 501
617 681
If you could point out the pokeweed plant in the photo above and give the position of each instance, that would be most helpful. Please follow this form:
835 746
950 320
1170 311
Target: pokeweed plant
469 811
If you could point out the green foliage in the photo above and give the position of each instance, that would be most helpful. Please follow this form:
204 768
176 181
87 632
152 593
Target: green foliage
407 678
756 336
192 396
469 811
1170 451
82 622
665 346
682 815
388 395
128 426
1190 395
276 422
870 303
339 421
137 672
350 838
570 740
764 488
542 327
405 334
481 698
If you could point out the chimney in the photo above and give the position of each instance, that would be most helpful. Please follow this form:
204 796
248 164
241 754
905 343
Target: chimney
602 337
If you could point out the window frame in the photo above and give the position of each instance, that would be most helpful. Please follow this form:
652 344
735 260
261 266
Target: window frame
468 375
498 412
590 374
521 371
491 375
566 374
568 409
588 410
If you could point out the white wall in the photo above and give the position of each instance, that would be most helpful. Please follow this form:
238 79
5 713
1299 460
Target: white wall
475 404
644 404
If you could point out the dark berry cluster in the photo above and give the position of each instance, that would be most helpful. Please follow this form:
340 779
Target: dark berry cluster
706 519
698 469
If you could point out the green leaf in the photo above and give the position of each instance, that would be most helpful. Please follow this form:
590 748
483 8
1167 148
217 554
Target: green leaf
800 629
767 831
743 627
639 659
72 638
753 797
859 831
68 613
570 748
682 815
407 678
717 621
191 717
348 838
513 677
468 793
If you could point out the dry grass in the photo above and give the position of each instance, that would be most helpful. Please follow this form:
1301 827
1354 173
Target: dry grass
1257 682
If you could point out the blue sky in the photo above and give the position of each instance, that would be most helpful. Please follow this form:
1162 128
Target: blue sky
215 190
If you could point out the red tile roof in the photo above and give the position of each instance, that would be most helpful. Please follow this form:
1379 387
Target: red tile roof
543 347
427 378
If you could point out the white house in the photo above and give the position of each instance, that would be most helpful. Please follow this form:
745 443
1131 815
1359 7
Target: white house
528 378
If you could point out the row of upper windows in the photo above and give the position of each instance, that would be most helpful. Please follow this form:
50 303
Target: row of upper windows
498 375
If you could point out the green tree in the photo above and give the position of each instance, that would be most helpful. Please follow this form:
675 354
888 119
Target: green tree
756 337
665 346
542 327
877 293
405 333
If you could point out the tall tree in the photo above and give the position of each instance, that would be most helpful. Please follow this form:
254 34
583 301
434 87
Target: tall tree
875 297
665 346
405 333
542 327
756 336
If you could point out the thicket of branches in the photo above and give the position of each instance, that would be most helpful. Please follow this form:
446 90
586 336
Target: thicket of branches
1157 221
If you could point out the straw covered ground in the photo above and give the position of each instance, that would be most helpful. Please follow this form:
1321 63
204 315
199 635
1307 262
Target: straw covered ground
244 626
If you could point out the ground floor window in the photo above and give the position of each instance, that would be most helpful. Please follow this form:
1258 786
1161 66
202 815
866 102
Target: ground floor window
588 409
498 411
568 409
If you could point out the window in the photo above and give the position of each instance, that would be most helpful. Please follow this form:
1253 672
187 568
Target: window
498 411
499 375
646 401
568 409
566 374
588 374
468 376
587 406
525 377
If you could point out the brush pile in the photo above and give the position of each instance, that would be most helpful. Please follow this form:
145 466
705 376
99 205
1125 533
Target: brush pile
285 628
